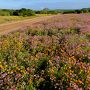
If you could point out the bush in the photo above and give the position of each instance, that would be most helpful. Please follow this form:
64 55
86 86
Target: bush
4 13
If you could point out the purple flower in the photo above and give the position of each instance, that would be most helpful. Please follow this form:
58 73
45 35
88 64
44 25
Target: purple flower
4 75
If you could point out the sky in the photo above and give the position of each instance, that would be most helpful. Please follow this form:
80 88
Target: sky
40 4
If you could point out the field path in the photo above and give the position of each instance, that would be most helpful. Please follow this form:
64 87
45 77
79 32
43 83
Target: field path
10 27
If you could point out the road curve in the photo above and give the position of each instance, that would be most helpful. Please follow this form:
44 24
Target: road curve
10 27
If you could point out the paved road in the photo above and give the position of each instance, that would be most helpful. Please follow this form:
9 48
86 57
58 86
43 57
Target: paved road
10 27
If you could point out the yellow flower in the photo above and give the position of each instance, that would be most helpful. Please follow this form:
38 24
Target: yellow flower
1 66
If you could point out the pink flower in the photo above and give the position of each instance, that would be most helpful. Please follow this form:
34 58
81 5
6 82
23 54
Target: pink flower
57 58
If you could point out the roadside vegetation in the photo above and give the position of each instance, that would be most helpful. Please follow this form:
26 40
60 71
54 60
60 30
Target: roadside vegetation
6 19
50 55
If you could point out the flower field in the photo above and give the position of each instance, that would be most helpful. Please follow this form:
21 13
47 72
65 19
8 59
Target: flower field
50 55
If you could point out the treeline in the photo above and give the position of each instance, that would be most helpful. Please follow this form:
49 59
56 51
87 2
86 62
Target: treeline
47 11
26 12
29 12
20 12
84 10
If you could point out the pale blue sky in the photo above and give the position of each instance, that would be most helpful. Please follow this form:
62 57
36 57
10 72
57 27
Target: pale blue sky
40 4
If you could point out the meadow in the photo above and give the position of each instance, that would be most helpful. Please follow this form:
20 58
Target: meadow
53 54
6 19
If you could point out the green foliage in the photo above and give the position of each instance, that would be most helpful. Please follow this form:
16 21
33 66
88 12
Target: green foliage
24 12
21 12
4 13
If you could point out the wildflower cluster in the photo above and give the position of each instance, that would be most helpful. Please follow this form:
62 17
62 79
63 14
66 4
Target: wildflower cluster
45 58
